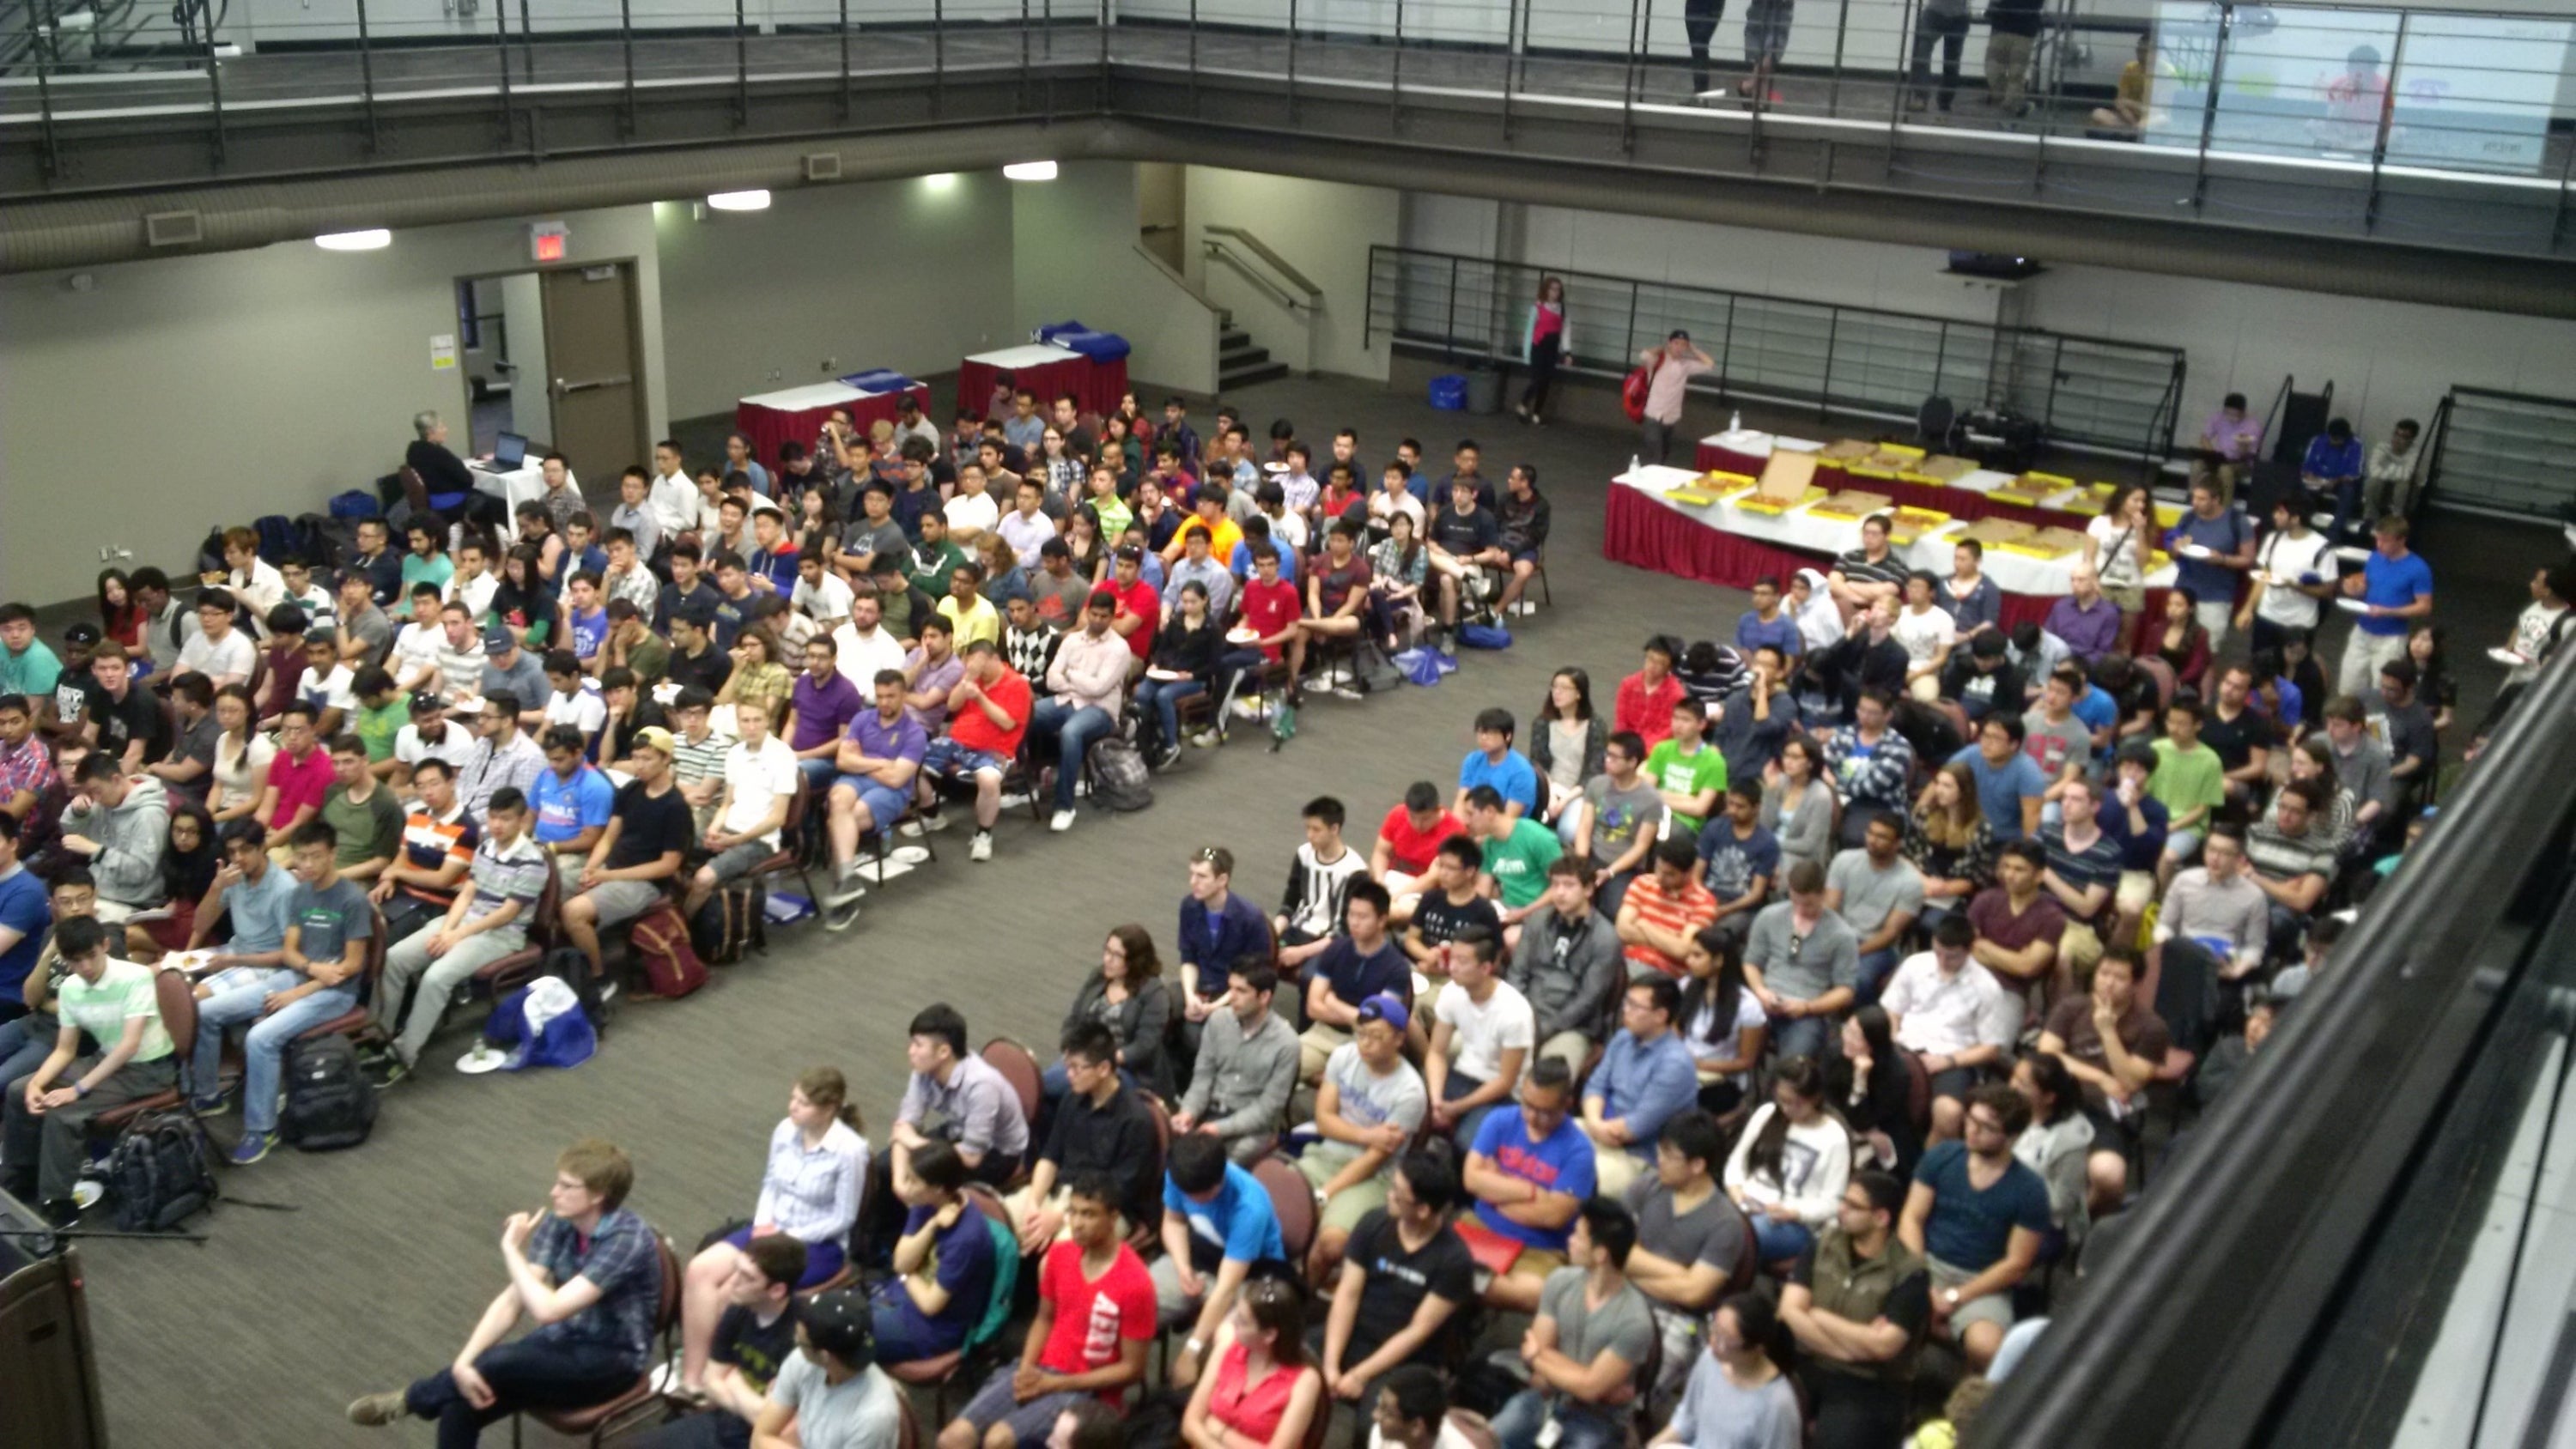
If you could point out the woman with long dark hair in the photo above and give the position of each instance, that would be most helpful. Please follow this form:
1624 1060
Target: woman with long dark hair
1721 1022
1397 568
2055 1145
119 617
1877 1091
1739 1394
1544 343
1261 1389
1949 843
1127 994
1791 1164
523 602
188 865
1566 744
1798 808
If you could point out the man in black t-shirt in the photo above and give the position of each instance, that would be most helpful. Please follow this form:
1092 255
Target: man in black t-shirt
753 1340
1463 536
648 833
1405 1274
1449 904
696 659
114 714
2241 736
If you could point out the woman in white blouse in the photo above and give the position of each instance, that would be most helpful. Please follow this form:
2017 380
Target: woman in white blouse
809 1191
2116 545
1789 1168
242 754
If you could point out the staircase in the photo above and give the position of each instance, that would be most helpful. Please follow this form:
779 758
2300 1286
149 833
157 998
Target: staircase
1239 363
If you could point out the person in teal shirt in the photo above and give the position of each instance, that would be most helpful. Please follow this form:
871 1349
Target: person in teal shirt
1518 851
27 666
2190 780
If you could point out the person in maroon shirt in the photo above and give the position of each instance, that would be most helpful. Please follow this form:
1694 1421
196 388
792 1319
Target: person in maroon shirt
2018 924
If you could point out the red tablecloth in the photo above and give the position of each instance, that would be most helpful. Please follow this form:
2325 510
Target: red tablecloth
1096 385
1639 531
1956 502
767 427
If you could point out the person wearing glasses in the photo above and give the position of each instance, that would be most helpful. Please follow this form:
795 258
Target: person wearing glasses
1530 1170
1977 1216
1405 1274
1857 1303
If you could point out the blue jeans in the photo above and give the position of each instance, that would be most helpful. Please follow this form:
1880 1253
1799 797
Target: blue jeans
1808 1036
819 775
1163 697
1240 665
1580 1427
24 1045
264 1048
1778 1241
1073 730
1875 968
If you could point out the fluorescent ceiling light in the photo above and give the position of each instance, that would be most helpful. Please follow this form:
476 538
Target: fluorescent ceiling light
940 180
739 201
1030 171
355 241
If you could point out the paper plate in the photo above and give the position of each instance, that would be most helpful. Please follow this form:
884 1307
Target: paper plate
2192 550
484 1058
2352 606
1244 635
87 1192
2507 657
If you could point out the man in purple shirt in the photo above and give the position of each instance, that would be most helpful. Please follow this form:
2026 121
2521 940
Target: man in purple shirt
2229 439
2086 621
819 708
877 760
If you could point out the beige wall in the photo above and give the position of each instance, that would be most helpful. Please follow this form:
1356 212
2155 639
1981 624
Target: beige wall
173 395
1076 255
1324 229
910 274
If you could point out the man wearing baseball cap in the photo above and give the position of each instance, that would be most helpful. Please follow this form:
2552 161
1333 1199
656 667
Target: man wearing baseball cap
1369 1105
649 829
832 1390
430 733
511 670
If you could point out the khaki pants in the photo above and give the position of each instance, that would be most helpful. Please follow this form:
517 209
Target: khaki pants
2078 952
1614 1167
1315 1044
1570 1047
2008 68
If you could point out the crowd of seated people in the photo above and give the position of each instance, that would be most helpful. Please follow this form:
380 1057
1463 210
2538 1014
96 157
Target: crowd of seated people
1628 1018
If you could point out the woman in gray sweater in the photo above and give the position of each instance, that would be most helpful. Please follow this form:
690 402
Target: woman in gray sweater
1798 807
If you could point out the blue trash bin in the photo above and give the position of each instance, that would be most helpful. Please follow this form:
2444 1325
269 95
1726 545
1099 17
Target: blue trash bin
1449 392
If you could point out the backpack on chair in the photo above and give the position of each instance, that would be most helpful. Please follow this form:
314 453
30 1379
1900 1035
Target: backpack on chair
671 965
160 1172
1118 777
330 1104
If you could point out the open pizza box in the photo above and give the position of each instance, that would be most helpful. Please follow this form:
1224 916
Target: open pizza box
1852 505
1996 532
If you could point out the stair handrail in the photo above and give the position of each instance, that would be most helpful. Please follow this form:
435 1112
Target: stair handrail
1219 251
1177 278
1294 279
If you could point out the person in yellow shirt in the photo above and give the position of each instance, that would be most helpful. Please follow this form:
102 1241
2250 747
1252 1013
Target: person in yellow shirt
1207 516
2127 113
972 615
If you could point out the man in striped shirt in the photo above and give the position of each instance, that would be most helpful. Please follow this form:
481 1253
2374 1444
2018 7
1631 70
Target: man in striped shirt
1869 572
418 885
1664 909
486 923
698 754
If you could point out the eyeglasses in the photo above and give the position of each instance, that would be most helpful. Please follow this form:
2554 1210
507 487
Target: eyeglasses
1204 855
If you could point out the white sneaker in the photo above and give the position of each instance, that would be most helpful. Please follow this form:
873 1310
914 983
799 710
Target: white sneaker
1341 690
1061 821
1206 739
909 830
934 821
845 892
1247 708
982 846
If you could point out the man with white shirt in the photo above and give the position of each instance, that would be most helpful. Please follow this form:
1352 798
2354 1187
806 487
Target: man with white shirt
326 684
973 510
1954 1014
473 583
570 703
252 579
1927 631
430 735
2294 570
862 648
414 662
760 779
820 595
1485 1033
1026 528
218 651
674 495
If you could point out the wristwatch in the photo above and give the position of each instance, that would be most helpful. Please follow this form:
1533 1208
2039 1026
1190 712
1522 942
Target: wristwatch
1950 1296
80 1091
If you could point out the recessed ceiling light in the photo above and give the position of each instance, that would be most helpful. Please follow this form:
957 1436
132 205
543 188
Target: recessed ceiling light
1030 171
374 239
739 201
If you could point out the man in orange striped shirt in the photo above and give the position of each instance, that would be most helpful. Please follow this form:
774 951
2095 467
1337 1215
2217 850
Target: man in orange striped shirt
1664 910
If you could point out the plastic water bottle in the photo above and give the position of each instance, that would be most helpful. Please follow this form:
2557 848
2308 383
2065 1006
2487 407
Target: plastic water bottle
1735 422
1633 460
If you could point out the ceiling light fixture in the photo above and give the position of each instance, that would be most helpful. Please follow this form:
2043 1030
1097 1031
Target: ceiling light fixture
1030 171
739 201
374 239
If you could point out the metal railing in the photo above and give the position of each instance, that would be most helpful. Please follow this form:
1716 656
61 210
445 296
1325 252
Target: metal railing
2117 396
2502 452
2288 116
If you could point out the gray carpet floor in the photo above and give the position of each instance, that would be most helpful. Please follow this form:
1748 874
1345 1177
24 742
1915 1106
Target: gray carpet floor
262 1335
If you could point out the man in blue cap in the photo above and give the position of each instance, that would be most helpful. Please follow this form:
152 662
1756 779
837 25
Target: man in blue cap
1370 1103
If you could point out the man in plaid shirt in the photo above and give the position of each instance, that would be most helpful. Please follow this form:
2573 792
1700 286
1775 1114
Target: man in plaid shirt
589 1272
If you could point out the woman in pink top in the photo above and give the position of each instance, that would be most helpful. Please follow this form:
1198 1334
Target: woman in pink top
1263 1395
1545 346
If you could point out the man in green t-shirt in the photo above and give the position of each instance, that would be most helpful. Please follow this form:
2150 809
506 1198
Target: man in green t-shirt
361 811
934 559
45 1130
1518 851
1690 772
382 713
2190 781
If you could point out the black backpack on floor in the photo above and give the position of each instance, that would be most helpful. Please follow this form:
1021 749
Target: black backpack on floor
160 1173
329 1103
732 924
1118 779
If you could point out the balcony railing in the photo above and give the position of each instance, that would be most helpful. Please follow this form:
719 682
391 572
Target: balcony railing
2334 120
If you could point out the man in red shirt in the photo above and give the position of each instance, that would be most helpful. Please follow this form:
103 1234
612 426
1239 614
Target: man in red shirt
1647 697
1335 589
988 715
1270 610
1138 603
300 775
1408 838
1095 1316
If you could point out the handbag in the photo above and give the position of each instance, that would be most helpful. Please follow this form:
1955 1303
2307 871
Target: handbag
1632 393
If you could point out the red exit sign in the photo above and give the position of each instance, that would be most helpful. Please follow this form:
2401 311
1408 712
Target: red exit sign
547 240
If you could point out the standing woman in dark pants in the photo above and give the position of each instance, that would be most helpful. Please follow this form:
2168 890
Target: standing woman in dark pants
1699 20
1546 341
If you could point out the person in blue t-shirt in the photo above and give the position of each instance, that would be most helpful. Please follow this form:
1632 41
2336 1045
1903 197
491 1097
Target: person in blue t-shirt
1494 762
572 799
24 916
2334 465
1768 623
2009 782
1530 1169
1217 1223
943 1263
1976 1214
2394 590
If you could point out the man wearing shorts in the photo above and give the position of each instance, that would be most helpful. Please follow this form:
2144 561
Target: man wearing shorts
877 761
1095 1316
760 782
988 716
1976 1214
648 832
1368 1106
